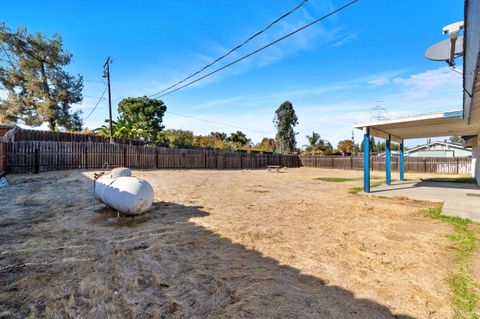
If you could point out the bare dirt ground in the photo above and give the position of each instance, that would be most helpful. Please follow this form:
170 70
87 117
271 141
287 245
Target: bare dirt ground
220 244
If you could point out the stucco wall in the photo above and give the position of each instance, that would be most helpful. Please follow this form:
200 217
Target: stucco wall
476 160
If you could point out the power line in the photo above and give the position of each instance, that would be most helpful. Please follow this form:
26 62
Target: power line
94 81
236 47
98 102
258 50
92 97
219 123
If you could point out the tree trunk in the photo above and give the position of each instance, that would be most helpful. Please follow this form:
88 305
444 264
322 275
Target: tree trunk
48 101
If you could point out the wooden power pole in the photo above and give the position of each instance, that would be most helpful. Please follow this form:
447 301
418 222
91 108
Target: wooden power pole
106 74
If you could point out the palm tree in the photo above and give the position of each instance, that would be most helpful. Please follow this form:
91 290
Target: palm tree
316 143
122 128
312 140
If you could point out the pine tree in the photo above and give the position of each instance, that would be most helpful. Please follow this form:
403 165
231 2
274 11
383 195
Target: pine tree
39 89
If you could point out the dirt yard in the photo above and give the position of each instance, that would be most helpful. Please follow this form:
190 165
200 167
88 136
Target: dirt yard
220 244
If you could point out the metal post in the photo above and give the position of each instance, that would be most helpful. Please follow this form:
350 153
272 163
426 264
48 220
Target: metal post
402 162
366 159
388 159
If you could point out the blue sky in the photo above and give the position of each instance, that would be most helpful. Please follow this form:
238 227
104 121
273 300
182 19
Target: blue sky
333 72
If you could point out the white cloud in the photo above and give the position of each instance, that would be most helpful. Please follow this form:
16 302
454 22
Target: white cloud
424 83
379 81
333 109
349 37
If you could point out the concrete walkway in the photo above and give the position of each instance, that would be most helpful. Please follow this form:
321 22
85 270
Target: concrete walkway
459 199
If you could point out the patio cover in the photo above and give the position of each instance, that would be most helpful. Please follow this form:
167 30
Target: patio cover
420 126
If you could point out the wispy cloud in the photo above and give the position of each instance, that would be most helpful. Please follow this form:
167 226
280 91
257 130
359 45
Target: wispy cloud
379 81
349 37
305 40
424 83
333 109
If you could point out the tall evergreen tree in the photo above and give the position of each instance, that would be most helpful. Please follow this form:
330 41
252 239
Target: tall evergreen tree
39 89
285 120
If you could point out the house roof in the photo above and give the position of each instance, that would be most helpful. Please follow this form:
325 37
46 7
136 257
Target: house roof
449 144
9 126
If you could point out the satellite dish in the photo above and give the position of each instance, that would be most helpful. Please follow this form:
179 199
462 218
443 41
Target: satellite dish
448 50
441 51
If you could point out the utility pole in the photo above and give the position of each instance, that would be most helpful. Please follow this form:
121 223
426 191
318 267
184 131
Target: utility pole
106 74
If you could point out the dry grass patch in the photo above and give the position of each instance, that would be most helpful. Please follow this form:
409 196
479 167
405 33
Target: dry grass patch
221 244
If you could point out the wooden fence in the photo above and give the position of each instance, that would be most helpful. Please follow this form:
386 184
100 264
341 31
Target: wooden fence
3 158
37 135
444 165
40 156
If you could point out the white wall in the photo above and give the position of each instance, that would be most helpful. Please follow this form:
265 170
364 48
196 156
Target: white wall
476 160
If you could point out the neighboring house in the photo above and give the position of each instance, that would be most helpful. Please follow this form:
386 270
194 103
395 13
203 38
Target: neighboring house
4 128
439 149
436 149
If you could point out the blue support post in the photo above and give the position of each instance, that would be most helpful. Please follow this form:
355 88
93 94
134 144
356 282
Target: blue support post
366 159
402 163
388 160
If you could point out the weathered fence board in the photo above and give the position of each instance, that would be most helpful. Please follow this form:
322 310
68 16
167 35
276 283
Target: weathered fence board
3 158
41 156
38 135
445 165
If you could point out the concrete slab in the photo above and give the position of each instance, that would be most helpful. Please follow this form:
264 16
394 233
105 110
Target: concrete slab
460 199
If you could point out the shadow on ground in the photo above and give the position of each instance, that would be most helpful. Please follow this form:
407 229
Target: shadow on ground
410 185
160 264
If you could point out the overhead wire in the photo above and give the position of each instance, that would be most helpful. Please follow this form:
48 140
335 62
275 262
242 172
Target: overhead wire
98 102
93 81
218 123
238 46
257 50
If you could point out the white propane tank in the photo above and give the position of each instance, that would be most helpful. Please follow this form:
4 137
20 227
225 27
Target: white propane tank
127 194
120 171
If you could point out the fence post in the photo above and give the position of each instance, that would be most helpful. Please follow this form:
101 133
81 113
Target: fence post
36 168
205 151
156 158
86 157
4 157
333 165
184 164
241 164
458 168
125 157
351 162
424 165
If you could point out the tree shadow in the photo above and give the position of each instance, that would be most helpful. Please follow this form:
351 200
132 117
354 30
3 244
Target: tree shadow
162 264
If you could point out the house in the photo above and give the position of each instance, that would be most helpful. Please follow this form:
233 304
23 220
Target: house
436 149
464 122
439 149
